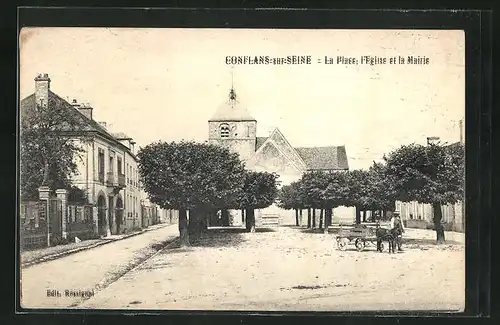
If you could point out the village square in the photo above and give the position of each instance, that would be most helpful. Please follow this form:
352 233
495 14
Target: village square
242 219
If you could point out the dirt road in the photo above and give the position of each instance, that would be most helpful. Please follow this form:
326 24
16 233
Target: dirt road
291 269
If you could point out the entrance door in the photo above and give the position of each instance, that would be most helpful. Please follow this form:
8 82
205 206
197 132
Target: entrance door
119 214
110 215
101 215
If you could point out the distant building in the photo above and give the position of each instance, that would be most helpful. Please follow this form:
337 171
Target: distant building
108 171
233 127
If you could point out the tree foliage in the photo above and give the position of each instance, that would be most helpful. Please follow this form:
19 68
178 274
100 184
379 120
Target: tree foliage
428 174
189 175
259 190
49 145
289 197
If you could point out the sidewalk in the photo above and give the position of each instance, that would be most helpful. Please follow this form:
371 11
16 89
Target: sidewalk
32 257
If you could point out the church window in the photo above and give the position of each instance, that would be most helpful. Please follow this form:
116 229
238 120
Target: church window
224 130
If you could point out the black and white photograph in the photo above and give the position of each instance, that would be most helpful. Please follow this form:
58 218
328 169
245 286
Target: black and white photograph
221 169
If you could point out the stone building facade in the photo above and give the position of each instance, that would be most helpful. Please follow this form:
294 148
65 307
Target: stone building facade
107 167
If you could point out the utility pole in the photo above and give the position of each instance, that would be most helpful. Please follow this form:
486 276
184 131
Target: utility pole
461 126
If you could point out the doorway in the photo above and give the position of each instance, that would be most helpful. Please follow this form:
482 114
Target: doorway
101 215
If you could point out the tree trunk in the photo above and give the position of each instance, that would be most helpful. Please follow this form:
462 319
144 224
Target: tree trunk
297 217
364 215
358 215
225 217
438 216
314 218
197 221
242 215
183 228
309 218
300 217
328 213
321 219
250 220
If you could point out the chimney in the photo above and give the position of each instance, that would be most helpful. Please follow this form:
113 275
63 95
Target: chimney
132 143
103 124
84 108
42 87
432 140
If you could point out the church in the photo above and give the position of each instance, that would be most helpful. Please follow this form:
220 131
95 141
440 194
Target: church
232 126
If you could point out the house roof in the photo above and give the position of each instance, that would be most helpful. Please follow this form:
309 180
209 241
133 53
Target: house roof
232 110
324 158
121 136
89 125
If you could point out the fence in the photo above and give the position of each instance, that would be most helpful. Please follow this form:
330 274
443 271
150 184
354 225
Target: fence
79 221
33 225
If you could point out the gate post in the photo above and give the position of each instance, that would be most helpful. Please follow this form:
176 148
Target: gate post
94 220
62 195
44 195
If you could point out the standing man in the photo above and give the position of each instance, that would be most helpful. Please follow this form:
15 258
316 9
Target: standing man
398 229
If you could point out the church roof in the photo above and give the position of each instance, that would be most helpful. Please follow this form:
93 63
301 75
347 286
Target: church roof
259 141
232 110
324 158
318 158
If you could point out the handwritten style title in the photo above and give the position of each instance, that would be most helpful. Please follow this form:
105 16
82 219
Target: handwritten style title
343 60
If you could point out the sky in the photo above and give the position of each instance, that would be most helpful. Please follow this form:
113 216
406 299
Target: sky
164 84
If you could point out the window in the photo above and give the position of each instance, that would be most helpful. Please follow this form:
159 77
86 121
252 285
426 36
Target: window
111 164
119 165
100 163
224 130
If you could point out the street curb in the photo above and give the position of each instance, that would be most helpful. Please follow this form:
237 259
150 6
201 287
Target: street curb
76 250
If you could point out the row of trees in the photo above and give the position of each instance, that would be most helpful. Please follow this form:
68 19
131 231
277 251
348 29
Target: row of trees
202 178
362 189
431 174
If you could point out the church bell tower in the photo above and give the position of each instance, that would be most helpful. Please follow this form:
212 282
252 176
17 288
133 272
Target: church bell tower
233 127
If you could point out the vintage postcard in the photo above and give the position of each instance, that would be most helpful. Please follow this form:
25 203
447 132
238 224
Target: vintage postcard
242 169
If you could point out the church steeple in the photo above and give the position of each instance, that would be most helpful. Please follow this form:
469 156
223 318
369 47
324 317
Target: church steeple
232 93
231 109
232 126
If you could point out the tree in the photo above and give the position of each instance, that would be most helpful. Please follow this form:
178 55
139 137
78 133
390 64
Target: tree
336 193
289 197
371 189
259 191
50 144
431 174
358 187
198 177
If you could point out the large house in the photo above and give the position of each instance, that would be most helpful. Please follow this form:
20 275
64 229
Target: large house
108 171
233 127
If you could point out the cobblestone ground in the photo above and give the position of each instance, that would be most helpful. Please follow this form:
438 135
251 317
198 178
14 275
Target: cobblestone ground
88 271
292 269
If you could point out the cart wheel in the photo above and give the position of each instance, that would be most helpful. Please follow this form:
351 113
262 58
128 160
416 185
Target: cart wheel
341 244
360 244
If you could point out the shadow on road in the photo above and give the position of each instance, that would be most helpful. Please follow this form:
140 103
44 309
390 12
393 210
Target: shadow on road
331 231
427 241
215 237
